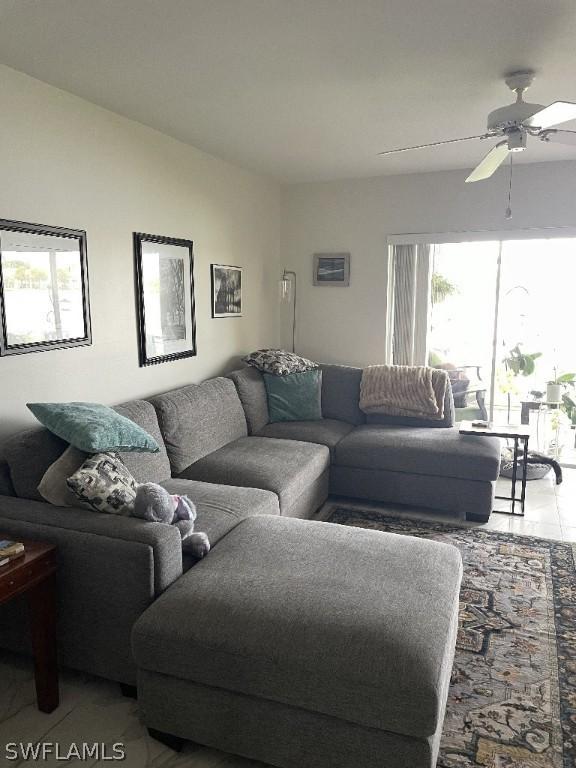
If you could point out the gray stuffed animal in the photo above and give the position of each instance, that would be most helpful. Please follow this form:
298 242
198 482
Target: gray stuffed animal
155 504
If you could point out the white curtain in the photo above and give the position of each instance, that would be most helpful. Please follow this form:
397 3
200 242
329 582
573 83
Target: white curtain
411 300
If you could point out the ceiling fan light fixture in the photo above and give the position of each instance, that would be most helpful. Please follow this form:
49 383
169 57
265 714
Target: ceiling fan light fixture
520 80
513 124
517 141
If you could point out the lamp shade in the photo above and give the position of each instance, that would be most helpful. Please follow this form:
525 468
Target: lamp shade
285 288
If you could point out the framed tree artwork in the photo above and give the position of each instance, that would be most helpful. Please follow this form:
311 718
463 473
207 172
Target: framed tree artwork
164 298
226 291
44 302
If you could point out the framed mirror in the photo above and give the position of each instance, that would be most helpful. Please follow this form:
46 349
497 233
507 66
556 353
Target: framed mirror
164 298
44 302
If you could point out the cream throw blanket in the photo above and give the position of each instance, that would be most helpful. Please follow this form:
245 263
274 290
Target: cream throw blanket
404 390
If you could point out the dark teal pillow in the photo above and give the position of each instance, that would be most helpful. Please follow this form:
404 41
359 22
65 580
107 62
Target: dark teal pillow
93 428
294 397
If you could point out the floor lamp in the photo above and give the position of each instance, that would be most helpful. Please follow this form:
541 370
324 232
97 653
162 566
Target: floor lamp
287 283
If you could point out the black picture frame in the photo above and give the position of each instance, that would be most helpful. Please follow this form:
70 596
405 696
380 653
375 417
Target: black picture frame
234 308
57 304
183 291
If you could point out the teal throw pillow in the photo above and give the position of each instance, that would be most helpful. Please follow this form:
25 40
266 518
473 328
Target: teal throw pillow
93 428
295 396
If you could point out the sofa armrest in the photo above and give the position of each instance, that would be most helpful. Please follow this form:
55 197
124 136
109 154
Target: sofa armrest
110 569
37 520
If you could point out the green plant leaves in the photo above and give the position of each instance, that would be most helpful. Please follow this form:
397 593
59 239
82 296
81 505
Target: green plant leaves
521 363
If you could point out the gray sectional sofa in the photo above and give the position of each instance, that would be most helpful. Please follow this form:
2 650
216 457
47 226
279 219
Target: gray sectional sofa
401 460
218 447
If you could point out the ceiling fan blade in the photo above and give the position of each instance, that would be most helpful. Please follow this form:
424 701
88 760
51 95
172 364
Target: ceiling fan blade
490 163
557 113
434 144
559 137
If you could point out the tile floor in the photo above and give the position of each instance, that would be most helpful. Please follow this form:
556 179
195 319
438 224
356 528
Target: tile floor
93 710
550 510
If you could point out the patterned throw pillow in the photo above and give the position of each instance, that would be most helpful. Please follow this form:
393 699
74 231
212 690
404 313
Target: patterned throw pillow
278 362
104 483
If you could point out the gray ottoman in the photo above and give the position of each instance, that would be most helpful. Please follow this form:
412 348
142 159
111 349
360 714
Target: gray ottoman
303 643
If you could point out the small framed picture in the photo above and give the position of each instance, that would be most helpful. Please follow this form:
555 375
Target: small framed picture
44 300
332 269
226 291
165 298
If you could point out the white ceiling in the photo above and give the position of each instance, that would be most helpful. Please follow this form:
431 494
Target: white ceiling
303 89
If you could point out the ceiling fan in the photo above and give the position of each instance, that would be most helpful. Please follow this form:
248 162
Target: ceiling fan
514 124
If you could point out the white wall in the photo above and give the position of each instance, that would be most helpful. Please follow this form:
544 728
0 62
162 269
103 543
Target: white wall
348 324
66 162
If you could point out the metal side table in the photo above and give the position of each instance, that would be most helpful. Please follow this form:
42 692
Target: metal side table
519 434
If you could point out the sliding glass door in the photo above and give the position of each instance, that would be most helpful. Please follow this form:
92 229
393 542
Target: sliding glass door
499 316
462 312
536 329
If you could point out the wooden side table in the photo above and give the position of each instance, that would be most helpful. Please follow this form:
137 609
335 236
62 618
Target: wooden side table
34 575
518 434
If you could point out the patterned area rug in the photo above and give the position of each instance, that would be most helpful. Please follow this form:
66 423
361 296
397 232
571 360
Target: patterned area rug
512 701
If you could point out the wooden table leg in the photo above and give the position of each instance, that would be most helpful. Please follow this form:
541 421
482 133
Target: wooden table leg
42 602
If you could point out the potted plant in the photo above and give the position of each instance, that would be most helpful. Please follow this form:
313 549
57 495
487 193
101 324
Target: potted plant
521 363
518 363
556 387
441 288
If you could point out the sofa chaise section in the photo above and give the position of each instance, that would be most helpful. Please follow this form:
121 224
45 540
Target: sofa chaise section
436 468
439 452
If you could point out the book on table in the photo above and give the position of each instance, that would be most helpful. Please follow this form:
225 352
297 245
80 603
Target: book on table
10 550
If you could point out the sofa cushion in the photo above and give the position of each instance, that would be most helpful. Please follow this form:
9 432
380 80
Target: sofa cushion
54 486
294 397
285 467
221 507
341 393
93 427
425 451
356 624
29 454
199 419
104 484
278 362
327 432
145 467
252 393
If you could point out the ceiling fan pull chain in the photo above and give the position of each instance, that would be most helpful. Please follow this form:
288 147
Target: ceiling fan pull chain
508 214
